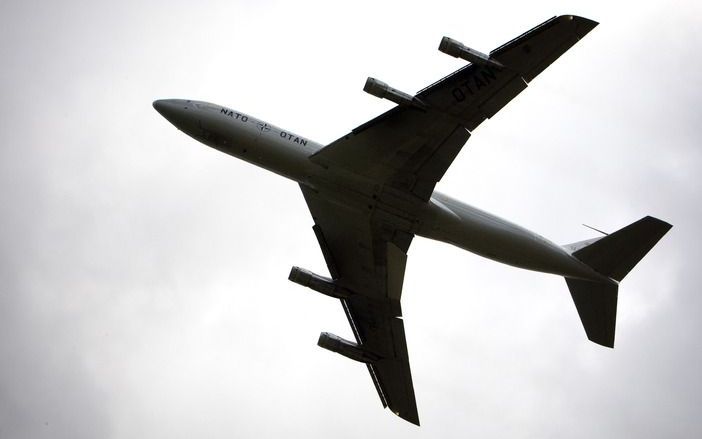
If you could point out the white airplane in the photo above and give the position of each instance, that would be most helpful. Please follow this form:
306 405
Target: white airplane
371 191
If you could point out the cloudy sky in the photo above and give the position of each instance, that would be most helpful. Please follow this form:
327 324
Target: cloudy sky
143 276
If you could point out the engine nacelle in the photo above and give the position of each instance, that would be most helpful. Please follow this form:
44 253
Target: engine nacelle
456 49
383 91
318 283
346 348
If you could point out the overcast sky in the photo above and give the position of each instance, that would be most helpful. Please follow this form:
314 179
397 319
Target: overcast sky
143 276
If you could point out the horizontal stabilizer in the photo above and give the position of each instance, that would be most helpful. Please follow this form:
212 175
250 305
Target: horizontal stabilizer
616 254
597 307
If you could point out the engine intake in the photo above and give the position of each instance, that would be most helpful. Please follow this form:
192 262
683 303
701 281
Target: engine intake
456 49
346 348
383 91
318 283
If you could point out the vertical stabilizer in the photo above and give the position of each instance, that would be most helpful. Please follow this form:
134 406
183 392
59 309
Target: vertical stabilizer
597 307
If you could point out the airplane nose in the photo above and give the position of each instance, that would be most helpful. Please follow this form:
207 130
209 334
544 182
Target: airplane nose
166 107
158 105
176 111
180 113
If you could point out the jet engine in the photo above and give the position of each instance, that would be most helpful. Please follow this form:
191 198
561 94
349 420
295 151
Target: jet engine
383 91
318 283
456 49
346 348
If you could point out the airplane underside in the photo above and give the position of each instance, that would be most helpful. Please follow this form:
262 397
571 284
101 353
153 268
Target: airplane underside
372 190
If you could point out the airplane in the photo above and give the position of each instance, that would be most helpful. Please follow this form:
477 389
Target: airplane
372 190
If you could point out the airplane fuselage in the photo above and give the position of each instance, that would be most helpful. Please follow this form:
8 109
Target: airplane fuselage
442 218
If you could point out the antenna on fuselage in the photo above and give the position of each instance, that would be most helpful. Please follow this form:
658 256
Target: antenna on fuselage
596 230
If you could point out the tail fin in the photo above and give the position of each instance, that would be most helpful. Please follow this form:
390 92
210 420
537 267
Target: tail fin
616 254
597 307
613 256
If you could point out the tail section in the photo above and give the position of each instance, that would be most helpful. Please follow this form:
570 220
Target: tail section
597 307
613 256
616 254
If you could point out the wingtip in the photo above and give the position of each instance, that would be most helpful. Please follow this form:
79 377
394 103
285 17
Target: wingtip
578 19
663 224
582 24
412 418
410 415
606 342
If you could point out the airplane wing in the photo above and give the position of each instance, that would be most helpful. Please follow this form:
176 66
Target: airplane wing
366 257
407 150
411 147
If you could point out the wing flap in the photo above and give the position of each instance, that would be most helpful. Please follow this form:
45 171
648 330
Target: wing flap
396 261
501 98
384 333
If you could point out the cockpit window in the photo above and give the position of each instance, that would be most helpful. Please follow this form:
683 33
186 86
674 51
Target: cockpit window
206 106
